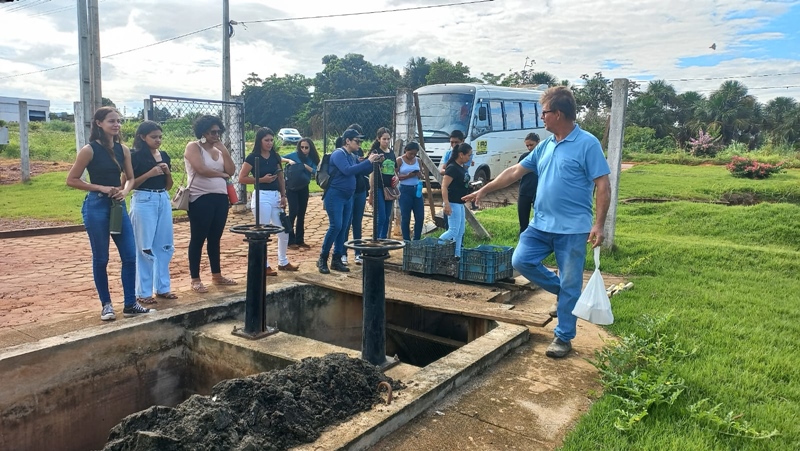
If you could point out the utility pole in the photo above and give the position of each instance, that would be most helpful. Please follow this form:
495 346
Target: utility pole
94 51
85 74
226 67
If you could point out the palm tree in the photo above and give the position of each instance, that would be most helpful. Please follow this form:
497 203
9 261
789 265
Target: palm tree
782 120
688 110
732 110
647 110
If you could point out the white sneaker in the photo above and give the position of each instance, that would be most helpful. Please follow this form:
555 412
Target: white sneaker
358 260
108 313
344 260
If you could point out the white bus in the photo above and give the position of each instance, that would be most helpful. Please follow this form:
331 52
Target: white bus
495 120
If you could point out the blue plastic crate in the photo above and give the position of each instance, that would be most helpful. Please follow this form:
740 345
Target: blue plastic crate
486 263
425 256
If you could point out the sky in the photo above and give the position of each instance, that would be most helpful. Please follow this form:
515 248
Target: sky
757 42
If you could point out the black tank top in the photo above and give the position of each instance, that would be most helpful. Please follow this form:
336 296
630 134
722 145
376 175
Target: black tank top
102 169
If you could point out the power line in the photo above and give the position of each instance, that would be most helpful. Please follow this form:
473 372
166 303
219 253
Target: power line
20 7
115 54
363 13
732 77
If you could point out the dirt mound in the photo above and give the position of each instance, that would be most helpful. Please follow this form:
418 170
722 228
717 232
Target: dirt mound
268 411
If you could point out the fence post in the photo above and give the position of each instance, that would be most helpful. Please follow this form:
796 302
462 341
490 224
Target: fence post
146 111
616 135
24 154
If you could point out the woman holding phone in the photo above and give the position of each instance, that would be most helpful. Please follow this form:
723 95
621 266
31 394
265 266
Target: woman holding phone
408 171
272 191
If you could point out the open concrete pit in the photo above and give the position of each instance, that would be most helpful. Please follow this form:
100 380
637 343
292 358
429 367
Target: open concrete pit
68 392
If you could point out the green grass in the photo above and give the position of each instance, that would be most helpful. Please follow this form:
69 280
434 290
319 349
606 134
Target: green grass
46 197
728 279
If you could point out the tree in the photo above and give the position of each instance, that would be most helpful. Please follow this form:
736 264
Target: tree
443 71
107 102
782 120
595 94
655 109
732 111
492 79
352 77
277 101
687 115
530 77
252 80
415 72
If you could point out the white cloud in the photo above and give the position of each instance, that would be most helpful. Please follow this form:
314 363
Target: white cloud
566 38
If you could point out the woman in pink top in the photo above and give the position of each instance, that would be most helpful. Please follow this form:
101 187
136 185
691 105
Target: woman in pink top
208 166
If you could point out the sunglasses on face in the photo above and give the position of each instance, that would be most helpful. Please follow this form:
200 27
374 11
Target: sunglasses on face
305 147
216 132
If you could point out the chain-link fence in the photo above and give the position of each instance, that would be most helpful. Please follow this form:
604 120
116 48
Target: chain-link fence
371 113
176 116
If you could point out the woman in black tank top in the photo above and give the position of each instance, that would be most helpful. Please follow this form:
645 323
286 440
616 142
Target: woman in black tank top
105 158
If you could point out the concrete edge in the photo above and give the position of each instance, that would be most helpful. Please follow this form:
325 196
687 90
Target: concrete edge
26 233
434 382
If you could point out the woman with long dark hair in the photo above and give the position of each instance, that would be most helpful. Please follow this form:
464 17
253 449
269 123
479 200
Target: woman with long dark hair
383 207
104 212
297 189
151 214
409 173
455 185
208 166
272 191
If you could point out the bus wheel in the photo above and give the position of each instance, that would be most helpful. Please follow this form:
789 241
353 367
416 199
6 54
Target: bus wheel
482 176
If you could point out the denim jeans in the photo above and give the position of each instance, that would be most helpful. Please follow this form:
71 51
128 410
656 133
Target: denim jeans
570 250
356 220
270 212
410 202
151 217
339 206
458 224
298 204
382 213
96 211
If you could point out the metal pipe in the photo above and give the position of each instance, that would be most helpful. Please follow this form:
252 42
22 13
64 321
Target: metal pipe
373 337
256 194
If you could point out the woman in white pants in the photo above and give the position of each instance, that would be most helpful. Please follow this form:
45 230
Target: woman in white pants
272 195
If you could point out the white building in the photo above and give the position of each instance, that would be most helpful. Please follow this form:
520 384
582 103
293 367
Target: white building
38 109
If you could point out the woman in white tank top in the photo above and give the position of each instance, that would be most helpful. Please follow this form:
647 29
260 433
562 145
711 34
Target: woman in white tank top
208 166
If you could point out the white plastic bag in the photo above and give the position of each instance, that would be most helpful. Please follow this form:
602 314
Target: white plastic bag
593 305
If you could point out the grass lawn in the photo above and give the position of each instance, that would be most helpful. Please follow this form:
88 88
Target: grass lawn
727 280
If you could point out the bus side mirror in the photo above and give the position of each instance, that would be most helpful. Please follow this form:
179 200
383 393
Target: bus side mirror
482 113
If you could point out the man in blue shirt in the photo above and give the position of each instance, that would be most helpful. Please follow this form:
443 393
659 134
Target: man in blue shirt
570 165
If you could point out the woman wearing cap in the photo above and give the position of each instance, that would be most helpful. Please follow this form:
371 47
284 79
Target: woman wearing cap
338 198
408 171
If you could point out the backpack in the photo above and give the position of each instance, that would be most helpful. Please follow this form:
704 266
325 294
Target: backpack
323 177
296 177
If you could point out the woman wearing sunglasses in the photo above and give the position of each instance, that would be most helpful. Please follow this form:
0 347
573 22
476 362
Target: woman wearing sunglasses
297 181
208 167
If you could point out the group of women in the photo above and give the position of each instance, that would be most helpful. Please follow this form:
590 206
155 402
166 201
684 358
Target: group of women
144 238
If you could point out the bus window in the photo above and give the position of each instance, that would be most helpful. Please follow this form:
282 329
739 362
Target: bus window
496 109
530 116
443 113
513 115
480 125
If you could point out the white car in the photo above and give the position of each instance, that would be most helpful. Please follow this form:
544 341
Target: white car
289 135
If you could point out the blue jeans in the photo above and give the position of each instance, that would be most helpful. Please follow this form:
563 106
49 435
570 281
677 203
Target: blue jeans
570 250
410 202
96 211
339 206
151 217
356 220
383 211
458 224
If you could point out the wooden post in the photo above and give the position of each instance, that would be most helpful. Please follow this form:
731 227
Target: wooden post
24 154
615 138
428 164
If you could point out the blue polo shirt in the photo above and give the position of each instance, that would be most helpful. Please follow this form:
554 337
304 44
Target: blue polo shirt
566 171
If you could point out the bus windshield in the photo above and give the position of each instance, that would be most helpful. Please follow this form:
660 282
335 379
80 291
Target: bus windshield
443 113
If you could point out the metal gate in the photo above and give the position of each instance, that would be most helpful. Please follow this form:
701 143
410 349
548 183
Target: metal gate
176 116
